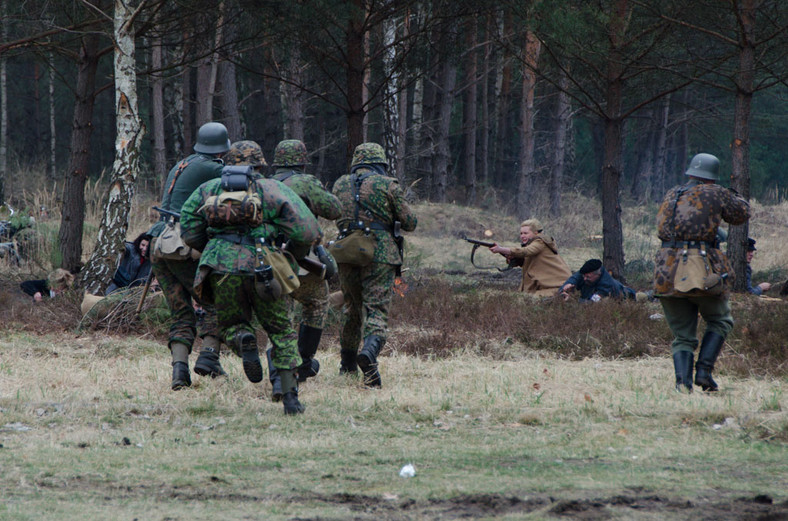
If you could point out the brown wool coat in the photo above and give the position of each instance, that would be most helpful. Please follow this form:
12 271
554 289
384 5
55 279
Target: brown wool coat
544 271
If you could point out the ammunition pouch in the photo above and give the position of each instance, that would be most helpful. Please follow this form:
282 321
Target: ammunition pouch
356 247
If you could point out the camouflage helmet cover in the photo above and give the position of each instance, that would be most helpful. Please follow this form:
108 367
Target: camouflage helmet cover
704 166
290 152
245 153
212 139
368 154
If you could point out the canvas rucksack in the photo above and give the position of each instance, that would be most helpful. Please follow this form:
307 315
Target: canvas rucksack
238 204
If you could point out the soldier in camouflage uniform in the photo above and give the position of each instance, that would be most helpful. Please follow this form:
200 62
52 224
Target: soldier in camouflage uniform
290 159
687 220
367 289
227 274
176 277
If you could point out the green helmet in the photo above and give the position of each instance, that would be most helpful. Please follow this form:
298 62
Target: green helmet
368 154
245 153
704 166
212 139
290 152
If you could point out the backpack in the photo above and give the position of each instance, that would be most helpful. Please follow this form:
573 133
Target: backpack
238 203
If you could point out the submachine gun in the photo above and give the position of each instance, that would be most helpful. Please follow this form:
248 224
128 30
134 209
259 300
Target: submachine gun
476 243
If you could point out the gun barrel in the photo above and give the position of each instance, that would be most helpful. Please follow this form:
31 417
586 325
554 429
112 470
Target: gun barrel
480 243
167 212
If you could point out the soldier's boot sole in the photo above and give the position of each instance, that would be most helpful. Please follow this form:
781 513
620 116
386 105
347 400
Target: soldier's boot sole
251 359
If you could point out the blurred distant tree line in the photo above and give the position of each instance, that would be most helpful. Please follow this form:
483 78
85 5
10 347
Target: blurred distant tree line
477 102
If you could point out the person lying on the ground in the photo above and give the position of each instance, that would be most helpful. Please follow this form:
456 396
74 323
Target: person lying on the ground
594 283
57 282
761 288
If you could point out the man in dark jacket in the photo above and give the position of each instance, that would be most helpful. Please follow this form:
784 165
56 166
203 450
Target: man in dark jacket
594 282
176 276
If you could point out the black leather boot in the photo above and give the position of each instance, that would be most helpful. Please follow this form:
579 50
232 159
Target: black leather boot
207 363
308 340
710 348
348 365
682 362
273 376
246 343
180 376
290 395
368 360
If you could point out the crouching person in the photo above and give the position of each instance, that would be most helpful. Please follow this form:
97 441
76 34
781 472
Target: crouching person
235 221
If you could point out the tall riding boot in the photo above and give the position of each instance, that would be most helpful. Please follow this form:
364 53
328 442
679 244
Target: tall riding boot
682 362
308 340
246 343
348 364
273 376
208 361
290 395
710 348
180 366
368 360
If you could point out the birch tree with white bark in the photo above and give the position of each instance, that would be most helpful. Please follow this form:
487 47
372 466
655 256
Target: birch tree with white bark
125 170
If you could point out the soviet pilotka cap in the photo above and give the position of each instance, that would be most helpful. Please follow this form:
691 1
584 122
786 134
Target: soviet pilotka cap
590 265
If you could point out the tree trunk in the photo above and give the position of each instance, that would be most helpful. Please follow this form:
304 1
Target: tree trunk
424 110
292 97
114 221
355 41
469 112
644 181
391 96
229 100
484 145
157 112
52 129
73 212
228 84
561 124
440 167
3 104
526 175
740 145
502 162
661 146
613 241
207 73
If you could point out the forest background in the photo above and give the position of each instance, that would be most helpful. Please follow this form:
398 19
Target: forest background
503 105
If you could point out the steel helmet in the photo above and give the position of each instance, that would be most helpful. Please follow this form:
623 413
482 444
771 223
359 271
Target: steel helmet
368 154
245 153
290 152
704 166
212 139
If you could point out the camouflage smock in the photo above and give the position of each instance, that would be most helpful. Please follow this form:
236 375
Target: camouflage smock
693 212
284 213
183 179
382 201
320 201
